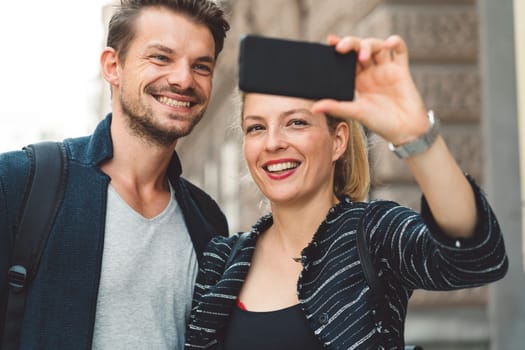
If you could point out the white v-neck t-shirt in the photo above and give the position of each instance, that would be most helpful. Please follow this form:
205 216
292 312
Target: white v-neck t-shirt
148 272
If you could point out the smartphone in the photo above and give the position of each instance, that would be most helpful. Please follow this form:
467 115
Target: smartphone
295 68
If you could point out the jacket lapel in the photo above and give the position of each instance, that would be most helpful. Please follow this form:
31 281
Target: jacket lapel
215 305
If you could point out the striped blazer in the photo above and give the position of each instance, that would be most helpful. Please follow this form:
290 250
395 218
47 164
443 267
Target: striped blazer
407 248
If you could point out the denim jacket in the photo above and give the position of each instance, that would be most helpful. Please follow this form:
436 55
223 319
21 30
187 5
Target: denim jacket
60 307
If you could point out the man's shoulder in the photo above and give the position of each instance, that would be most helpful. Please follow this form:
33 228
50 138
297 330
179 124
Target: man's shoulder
198 194
207 205
14 166
78 148
15 157
74 142
14 172
196 190
92 149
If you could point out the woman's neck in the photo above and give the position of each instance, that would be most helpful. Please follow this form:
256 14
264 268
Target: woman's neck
294 225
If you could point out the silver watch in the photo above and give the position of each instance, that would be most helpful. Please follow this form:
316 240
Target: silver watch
422 143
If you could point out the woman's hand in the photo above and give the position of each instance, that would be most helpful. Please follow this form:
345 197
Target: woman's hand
387 101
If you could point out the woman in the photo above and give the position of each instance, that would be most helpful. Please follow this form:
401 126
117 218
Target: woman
295 281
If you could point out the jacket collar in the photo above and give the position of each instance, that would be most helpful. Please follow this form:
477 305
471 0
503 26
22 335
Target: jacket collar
97 148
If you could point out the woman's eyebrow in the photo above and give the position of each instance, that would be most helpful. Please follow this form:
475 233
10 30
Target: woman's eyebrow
297 110
282 114
252 116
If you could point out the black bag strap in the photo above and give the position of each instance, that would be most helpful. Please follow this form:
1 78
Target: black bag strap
376 285
374 282
235 249
44 192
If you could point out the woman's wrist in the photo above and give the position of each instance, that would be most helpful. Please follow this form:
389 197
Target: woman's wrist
422 143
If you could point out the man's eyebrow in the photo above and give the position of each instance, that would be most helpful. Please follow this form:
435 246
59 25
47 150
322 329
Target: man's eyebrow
208 59
170 51
161 48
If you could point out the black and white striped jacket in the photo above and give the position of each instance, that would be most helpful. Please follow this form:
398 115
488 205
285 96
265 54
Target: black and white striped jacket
408 250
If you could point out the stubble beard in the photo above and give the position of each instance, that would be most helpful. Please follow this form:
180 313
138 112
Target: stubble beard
142 122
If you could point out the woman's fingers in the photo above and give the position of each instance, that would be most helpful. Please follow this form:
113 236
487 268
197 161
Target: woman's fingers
382 51
347 44
398 49
342 109
371 51
332 39
370 48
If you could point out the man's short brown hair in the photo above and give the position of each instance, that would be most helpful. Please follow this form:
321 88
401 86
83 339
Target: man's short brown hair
207 12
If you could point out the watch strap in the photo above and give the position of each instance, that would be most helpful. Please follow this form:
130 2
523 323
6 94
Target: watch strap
422 143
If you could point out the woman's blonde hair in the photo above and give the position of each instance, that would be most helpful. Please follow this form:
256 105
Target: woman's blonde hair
352 170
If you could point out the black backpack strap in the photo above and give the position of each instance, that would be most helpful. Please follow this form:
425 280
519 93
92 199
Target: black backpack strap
44 193
376 285
374 282
236 248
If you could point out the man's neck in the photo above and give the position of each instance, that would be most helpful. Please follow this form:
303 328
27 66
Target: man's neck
138 170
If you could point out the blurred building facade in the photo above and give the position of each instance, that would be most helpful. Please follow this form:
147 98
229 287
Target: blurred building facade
462 58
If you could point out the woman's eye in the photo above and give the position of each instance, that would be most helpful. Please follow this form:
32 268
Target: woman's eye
253 128
297 122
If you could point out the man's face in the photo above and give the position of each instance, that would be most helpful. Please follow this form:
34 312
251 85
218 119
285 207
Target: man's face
165 82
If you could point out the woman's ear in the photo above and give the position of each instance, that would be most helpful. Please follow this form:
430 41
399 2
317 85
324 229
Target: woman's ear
341 137
109 65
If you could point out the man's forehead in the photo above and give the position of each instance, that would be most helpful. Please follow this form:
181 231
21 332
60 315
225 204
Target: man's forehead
163 27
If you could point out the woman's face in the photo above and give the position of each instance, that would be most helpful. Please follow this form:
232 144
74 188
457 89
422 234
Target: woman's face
290 152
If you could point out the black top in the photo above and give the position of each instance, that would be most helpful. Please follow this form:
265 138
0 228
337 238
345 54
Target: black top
285 329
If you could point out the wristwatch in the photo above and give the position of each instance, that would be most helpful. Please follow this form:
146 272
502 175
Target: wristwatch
422 143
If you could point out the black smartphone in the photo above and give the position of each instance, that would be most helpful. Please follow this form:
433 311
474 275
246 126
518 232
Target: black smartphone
295 68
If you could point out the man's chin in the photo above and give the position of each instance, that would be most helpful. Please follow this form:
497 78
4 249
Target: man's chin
181 129
161 135
165 130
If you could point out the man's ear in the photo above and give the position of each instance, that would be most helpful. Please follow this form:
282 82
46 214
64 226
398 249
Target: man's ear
109 65
341 138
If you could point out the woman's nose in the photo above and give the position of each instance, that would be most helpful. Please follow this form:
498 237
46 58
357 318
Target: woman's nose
276 139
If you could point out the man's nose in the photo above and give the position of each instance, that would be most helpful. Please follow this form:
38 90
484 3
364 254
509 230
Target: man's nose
181 75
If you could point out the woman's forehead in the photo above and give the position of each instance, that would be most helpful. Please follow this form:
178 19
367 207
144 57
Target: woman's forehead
255 102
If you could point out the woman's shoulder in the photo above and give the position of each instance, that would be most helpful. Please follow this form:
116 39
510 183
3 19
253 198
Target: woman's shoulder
348 208
348 215
216 253
222 243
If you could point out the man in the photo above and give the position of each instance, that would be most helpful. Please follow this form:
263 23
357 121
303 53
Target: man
121 259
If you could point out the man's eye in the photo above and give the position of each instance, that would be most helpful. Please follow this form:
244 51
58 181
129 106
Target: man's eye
203 69
160 58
